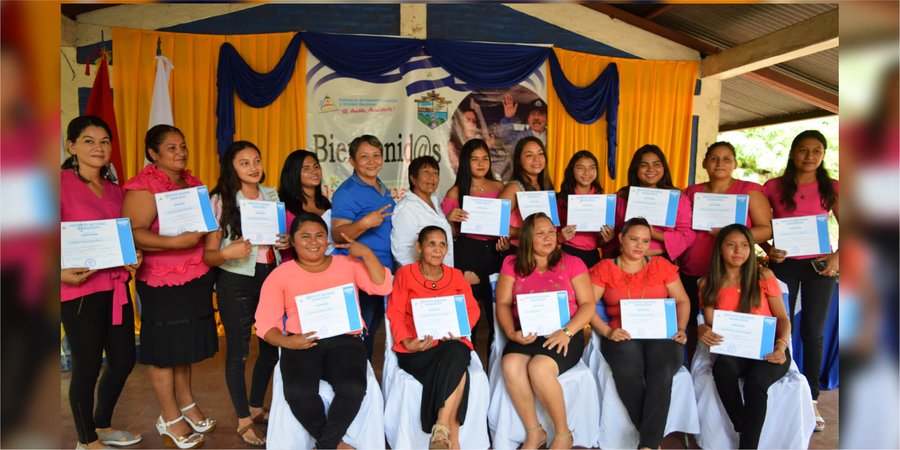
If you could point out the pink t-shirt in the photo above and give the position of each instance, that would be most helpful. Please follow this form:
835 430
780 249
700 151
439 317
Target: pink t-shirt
649 282
582 240
449 204
169 267
77 202
807 198
558 278
696 259
676 239
287 281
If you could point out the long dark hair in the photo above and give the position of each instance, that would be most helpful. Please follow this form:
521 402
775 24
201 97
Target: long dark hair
568 183
715 279
289 189
228 186
463 180
519 173
789 178
664 183
525 263
73 132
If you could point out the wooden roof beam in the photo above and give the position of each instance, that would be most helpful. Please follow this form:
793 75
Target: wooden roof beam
657 11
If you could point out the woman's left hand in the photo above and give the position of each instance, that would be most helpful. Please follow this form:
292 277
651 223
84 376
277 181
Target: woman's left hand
502 244
607 234
451 337
354 248
832 264
559 340
777 356
140 260
567 232
680 337
282 242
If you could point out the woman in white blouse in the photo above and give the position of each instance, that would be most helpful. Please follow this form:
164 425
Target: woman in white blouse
418 208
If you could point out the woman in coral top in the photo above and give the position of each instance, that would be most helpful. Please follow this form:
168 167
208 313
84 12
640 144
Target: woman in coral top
175 286
440 363
305 359
642 368
736 283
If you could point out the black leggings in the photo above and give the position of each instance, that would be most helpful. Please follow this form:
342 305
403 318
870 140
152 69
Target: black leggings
642 370
339 360
238 297
88 325
799 275
482 258
747 414
371 308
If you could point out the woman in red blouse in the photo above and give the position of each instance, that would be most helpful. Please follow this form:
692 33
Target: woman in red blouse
736 283
440 363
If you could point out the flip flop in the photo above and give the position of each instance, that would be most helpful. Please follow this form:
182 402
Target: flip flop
261 438
119 438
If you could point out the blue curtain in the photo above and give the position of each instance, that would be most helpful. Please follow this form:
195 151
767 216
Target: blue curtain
487 66
365 58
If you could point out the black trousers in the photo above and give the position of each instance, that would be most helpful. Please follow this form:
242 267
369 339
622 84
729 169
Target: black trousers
439 369
482 258
371 308
747 413
89 329
339 360
238 297
642 370
799 275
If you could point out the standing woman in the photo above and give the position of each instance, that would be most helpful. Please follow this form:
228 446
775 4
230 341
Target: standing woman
642 368
418 209
806 189
736 283
529 174
300 188
96 308
244 268
649 169
478 256
580 178
440 363
175 285
720 161
531 364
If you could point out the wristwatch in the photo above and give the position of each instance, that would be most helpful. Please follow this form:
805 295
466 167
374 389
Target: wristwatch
566 330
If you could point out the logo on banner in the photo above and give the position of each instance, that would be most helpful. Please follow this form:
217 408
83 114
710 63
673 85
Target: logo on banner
432 110
327 104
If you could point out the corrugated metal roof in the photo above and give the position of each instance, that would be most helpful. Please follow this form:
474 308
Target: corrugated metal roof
744 101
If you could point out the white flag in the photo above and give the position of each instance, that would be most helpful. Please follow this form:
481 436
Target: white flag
161 105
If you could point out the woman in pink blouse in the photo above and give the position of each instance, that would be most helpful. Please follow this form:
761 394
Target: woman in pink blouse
806 189
96 311
529 174
177 323
531 363
580 178
649 169
642 368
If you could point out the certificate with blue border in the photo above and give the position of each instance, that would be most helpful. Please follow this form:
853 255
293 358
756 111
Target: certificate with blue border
591 212
543 313
440 317
531 202
185 210
97 244
743 335
658 206
802 236
262 221
719 210
330 312
487 216
652 318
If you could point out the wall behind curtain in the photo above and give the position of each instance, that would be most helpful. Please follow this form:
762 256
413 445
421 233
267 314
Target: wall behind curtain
655 107
277 129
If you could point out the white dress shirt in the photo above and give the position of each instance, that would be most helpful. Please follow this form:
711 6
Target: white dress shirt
411 215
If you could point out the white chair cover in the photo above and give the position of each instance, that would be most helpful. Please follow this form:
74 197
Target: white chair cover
366 431
579 391
403 398
616 429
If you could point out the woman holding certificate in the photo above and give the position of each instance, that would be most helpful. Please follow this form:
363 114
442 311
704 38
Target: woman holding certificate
478 256
529 174
649 169
339 356
642 368
175 285
720 161
439 362
418 209
581 179
300 189
90 298
244 266
736 283
541 272
806 189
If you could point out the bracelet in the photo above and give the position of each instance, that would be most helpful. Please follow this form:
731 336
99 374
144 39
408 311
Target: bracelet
783 342
566 330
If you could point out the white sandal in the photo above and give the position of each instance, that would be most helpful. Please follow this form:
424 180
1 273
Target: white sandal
204 425
189 440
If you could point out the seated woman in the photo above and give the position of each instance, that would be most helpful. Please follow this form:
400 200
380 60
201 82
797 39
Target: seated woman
736 283
531 363
306 359
642 368
440 363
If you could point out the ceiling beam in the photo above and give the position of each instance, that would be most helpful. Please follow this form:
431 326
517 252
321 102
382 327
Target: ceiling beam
653 27
657 11
801 90
774 120
800 39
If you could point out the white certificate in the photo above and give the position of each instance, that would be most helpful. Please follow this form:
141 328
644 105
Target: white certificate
487 216
97 244
439 317
658 206
653 318
543 313
743 335
531 202
185 210
330 312
262 221
802 236
591 212
719 210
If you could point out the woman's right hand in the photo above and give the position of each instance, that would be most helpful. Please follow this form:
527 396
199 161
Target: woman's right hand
776 255
705 335
75 276
523 339
617 335
188 239
418 345
301 341
237 249
457 215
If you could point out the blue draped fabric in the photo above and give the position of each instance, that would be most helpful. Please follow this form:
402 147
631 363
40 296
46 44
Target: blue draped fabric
487 66
362 57
254 88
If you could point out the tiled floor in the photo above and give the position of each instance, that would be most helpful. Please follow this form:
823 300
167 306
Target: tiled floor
138 410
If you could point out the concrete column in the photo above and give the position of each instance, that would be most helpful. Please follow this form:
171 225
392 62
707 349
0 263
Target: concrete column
413 20
706 106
